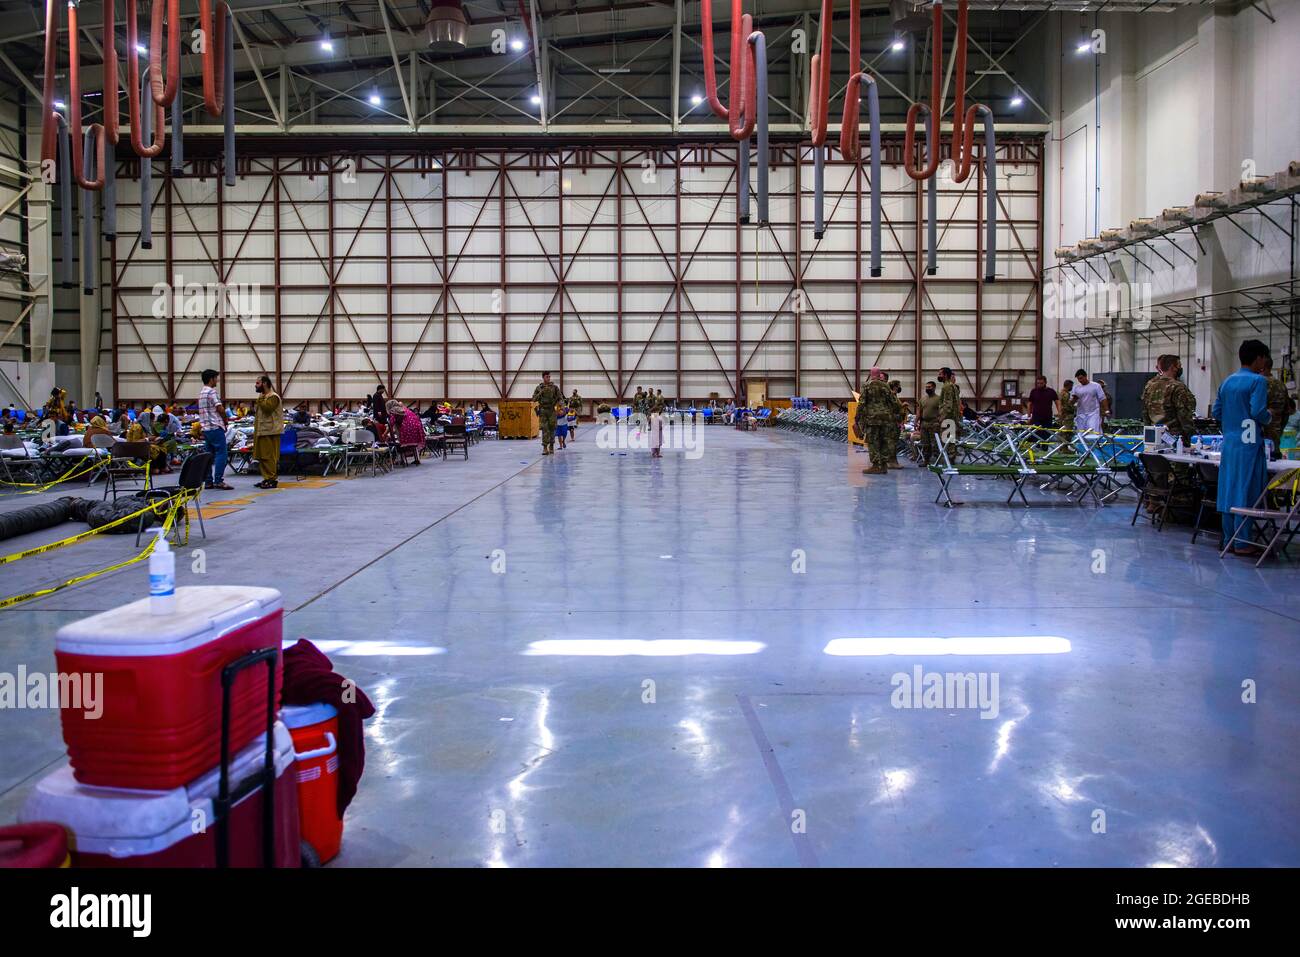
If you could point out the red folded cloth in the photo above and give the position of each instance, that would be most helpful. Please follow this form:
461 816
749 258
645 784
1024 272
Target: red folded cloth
309 677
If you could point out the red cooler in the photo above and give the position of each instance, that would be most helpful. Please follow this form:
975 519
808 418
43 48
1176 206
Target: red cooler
315 730
161 710
38 844
119 827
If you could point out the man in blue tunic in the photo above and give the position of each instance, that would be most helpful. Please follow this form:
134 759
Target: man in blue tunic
1242 411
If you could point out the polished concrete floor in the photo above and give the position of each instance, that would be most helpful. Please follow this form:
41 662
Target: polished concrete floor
603 659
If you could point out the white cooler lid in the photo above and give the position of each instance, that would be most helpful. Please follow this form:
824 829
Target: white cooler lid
125 822
304 715
203 613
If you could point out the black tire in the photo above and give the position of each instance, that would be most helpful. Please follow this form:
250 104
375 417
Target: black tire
308 855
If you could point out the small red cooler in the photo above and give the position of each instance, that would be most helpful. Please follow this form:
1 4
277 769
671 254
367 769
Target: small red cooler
121 827
161 709
38 844
315 730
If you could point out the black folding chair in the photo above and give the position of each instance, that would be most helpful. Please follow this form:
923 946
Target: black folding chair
1163 483
128 462
454 437
1208 473
194 471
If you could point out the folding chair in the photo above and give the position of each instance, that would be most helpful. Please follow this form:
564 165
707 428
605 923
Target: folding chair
1208 473
15 468
128 462
1279 522
363 451
1162 483
189 485
454 437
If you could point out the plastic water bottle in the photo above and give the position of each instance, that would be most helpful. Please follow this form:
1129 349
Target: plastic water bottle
162 577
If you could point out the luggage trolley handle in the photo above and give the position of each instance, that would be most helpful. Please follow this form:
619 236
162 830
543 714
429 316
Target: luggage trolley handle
226 798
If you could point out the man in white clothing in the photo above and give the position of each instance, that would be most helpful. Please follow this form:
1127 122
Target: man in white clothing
1090 403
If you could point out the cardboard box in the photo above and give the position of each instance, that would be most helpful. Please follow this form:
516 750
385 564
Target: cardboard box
517 419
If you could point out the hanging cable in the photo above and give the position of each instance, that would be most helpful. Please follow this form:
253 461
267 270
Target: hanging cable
819 95
963 135
916 109
63 173
178 138
852 149
146 169
92 155
990 197
932 203
135 90
95 131
758 44
850 134
219 69
214 55
228 159
963 143
111 94
51 138
741 112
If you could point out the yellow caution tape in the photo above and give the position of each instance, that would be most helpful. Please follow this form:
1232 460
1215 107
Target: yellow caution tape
1293 475
154 507
177 505
77 471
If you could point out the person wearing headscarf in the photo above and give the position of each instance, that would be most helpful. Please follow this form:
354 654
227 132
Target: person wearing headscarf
405 425
97 427
137 433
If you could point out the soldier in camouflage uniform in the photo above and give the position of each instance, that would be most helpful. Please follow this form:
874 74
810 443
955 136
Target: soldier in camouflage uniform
891 445
950 407
877 415
1280 407
929 422
547 395
1065 401
1166 401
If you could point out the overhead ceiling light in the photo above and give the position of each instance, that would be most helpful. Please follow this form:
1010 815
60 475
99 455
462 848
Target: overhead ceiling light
446 28
610 70
697 99
59 104
897 45
1017 100
140 49
374 99
535 99
1083 47
517 44
327 45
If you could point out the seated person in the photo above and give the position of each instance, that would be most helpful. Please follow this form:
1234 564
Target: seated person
97 427
136 433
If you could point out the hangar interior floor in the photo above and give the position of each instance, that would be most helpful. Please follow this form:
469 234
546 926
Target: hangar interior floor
598 658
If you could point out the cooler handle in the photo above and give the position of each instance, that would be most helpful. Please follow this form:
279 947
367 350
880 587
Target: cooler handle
330 747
